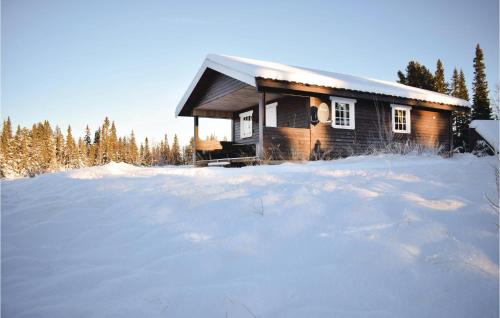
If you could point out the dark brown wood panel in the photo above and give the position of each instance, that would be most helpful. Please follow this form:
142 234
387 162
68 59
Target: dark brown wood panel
292 111
430 128
373 127
285 143
212 86
219 85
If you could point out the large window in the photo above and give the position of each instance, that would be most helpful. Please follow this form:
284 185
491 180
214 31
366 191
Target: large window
271 115
246 124
343 112
401 121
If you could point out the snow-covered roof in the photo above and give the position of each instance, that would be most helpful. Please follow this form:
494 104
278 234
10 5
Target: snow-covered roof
247 70
488 129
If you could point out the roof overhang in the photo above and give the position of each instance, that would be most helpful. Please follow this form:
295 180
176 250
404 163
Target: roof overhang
261 74
284 87
208 63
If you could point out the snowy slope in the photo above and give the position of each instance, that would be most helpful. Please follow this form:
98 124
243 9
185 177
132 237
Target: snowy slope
247 70
489 129
360 237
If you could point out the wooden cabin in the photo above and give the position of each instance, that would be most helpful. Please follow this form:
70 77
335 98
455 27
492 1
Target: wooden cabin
282 112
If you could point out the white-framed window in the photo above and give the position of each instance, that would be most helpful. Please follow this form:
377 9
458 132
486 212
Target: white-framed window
401 119
271 115
246 124
343 112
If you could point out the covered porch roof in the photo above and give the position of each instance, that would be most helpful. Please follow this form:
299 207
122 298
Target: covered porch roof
217 95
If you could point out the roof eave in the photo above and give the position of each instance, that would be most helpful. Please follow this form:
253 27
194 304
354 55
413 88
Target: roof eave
303 87
209 63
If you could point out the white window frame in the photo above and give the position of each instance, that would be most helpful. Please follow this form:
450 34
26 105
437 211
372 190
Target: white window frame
407 112
352 112
246 133
274 122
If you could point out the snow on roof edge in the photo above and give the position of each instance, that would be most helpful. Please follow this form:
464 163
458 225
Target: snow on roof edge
489 130
247 70
208 63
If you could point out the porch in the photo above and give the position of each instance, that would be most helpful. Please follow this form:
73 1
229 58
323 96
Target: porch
259 132
221 153
266 123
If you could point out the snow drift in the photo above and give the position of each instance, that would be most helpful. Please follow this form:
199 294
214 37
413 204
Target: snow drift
361 237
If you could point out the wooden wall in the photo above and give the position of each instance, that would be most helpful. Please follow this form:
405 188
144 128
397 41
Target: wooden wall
255 127
300 139
373 126
286 143
292 111
431 128
216 86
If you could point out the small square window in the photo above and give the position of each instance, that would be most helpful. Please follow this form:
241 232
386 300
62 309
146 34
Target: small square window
401 119
246 124
343 112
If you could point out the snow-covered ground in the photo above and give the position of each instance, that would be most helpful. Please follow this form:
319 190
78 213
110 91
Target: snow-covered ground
361 237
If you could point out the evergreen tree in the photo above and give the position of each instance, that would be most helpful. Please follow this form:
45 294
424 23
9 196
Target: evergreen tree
91 158
19 165
119 150
454 82
6 149
480 101
155 155
417 75
36 148
188 152
460 119
87 139
463 92
133 151
165 151
113 143
70 151
48 149
25 163
6 135
147 156
440 84
59 143
176 152
82 152
105 136
99 148
24 155
40 149
124 150
141 156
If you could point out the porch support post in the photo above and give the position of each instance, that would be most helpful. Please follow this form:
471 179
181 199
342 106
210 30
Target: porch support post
232 129
195 137
260 146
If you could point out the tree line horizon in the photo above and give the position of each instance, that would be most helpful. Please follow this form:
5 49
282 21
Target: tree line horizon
418 75
29 152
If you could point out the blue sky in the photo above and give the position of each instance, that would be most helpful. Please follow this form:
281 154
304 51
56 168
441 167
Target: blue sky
75 62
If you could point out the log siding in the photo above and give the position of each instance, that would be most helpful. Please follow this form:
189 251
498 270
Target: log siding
296 138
